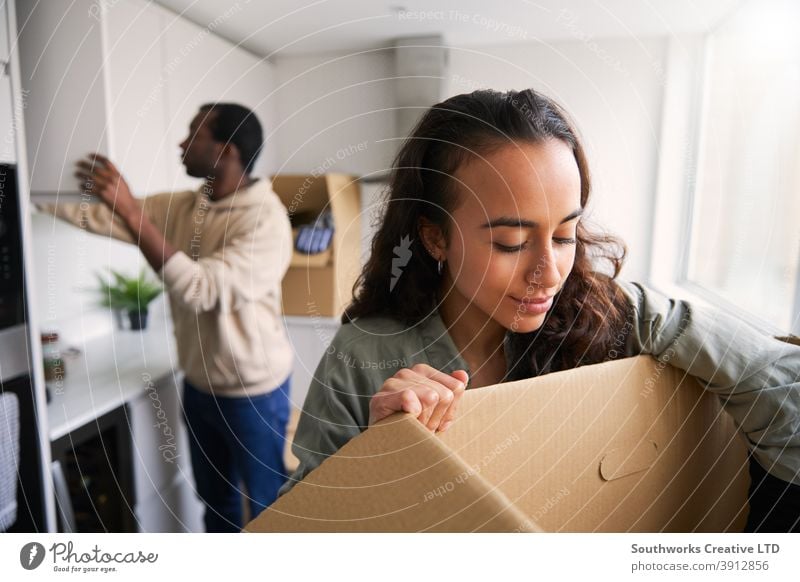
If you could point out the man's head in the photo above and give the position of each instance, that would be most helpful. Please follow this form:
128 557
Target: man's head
222 136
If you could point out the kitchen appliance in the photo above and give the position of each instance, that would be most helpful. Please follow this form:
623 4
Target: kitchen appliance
12 306
15 369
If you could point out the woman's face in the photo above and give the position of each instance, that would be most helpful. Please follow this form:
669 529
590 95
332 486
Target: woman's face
512 237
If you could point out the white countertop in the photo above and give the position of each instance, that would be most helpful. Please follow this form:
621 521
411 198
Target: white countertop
114 365
110 371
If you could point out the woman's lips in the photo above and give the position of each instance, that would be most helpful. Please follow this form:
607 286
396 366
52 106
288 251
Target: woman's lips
533 306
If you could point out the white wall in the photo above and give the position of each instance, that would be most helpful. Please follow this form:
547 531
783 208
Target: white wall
612 88
66 261
329 104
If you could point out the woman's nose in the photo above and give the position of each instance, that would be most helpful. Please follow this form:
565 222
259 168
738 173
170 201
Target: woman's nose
544 272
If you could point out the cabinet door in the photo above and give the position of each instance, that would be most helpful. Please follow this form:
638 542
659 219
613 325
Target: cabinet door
205 69
160 448
4 33
162 470
310 338
61 65
138 109
174 509
7 139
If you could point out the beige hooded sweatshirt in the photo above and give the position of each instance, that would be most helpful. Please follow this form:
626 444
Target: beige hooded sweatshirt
224 283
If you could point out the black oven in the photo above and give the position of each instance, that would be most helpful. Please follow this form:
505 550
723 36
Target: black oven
15 370
12 307
13 332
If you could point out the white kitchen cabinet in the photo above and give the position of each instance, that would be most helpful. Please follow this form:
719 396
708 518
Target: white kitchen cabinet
5 47
8 153
125 78
159 448
7 139
310 338
165 493
61 63
137 96
171 510
204 68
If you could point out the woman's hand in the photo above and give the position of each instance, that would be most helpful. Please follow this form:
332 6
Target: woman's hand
430 395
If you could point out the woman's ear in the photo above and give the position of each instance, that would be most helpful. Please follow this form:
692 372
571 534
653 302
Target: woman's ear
432 238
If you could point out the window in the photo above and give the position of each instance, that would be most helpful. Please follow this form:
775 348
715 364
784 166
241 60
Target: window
742 201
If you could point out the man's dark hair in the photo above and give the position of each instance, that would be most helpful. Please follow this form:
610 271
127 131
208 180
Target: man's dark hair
236 124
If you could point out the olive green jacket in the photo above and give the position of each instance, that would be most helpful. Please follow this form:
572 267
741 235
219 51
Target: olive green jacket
756 376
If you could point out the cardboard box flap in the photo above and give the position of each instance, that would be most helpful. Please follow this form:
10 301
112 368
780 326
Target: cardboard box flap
628 445
394 477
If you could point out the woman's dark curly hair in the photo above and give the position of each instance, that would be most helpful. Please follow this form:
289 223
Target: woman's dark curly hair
589 312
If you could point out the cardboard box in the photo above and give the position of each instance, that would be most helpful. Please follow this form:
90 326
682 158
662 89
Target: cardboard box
629 445
322 285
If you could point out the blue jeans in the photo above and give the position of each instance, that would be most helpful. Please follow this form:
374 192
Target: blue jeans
236 440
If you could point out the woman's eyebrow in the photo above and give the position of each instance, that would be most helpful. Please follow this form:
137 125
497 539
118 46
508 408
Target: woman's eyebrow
521 223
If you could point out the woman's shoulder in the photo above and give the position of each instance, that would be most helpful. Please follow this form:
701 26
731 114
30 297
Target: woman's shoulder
374 331
646 301
367 351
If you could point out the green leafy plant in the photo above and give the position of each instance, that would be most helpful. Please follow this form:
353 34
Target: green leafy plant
131 294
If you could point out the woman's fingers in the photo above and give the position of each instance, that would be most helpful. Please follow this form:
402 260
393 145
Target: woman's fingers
462 377
387 402
414 397
448 389
432 396
443 378
441 398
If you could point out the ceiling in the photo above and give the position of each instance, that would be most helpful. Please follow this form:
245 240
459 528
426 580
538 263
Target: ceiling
274 28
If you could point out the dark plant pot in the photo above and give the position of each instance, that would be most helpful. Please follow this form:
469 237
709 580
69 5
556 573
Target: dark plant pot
138 319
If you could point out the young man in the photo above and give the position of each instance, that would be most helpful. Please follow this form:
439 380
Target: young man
222 252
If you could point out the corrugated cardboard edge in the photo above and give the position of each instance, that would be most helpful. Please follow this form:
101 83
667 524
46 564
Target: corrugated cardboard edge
424 487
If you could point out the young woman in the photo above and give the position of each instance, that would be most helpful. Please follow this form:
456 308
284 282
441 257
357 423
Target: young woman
484 271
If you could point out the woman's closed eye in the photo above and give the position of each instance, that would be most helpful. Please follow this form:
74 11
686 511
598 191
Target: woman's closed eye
516 248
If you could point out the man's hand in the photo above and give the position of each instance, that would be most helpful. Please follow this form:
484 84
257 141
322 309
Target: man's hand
99 177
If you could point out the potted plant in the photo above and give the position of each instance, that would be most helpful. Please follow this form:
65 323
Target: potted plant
129 294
